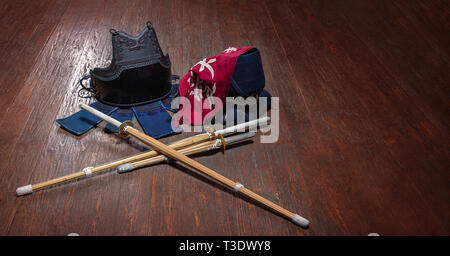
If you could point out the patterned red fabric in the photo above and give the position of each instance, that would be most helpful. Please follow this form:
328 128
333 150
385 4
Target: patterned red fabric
209 77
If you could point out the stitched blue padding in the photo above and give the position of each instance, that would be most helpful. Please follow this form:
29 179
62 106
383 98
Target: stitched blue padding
154 119
122 115
82 121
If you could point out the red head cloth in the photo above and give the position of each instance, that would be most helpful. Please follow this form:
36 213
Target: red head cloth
209 77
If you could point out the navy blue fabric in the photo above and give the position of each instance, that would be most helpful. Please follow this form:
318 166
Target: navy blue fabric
246 114
154 119
248 76
248 80
167 101
265 94
82 121
236 113
122 115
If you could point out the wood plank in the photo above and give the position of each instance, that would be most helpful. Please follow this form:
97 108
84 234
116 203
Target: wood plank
369 85
363 119
43 116
16 59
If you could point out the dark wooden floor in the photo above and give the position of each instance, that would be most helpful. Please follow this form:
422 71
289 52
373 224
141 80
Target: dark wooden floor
364 116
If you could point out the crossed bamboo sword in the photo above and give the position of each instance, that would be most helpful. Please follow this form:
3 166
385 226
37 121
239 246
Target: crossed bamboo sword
163 152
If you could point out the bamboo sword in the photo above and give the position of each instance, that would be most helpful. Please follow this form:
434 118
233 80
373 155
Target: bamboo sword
88 171
126 128
197 148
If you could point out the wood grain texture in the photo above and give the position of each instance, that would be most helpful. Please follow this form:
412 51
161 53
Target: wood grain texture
364 118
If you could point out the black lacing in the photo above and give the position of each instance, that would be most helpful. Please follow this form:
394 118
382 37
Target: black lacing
85 88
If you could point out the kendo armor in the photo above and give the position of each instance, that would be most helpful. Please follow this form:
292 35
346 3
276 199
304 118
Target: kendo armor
137 83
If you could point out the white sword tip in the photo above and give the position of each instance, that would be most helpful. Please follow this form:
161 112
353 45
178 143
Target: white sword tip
25 190
299 220
125 168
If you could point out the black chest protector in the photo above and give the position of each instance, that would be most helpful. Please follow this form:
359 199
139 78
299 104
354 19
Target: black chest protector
139 72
